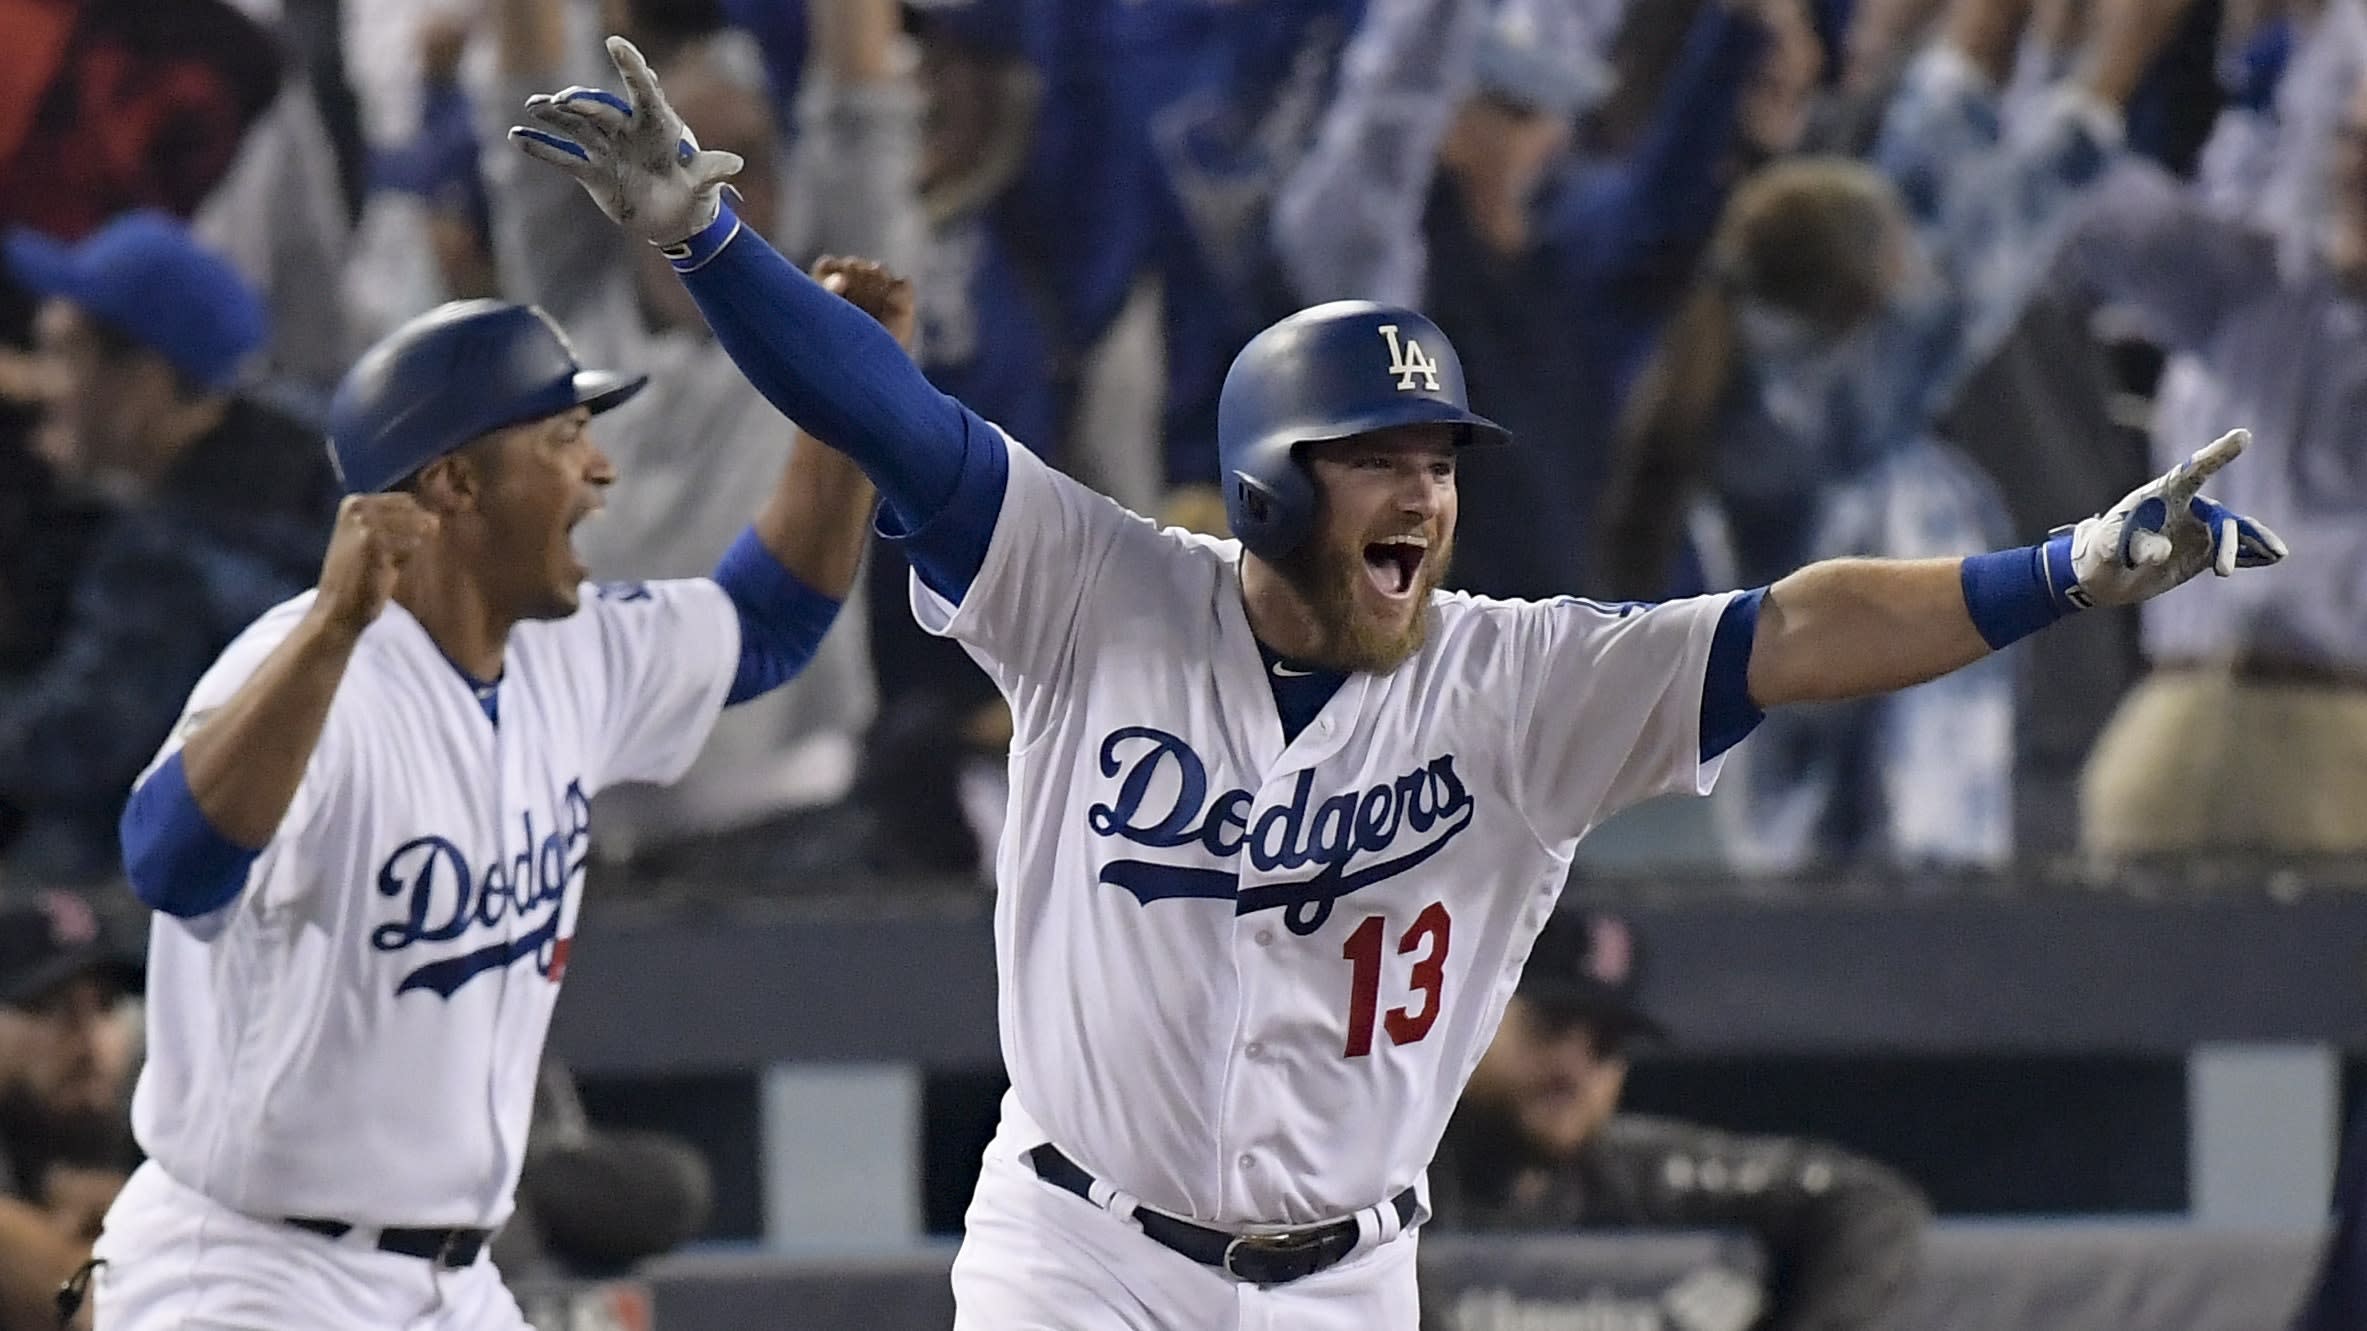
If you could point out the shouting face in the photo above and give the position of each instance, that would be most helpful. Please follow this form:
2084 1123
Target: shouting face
527 488
1384 530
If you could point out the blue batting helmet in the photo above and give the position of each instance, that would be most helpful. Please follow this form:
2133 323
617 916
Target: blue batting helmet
1327 372
456 372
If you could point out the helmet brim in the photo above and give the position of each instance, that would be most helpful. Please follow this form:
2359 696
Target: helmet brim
600 390
1478 431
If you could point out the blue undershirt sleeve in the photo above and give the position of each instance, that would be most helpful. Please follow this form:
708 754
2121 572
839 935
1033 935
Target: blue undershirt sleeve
177 862
1727 713
782 621
832 369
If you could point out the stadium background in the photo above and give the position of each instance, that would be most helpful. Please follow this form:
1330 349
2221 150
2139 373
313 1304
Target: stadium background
2118 1071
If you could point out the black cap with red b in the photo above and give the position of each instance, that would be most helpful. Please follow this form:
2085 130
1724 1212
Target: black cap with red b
50 937
1588 965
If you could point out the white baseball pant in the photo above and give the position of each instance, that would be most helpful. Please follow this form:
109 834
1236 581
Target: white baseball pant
1037 1258
177 1261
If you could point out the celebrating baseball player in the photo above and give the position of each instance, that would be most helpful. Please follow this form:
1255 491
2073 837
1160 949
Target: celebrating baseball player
366 840
1285 818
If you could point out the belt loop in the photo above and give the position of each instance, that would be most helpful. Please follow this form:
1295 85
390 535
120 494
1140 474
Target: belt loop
1123 1205
1384 1223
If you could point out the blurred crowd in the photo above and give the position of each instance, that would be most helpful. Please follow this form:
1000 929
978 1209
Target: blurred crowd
1753 282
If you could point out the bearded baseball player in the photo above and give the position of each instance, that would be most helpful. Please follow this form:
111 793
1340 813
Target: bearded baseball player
1285 818
365 844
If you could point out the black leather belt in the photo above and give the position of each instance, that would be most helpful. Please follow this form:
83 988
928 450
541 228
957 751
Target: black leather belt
1260 1259
454 1248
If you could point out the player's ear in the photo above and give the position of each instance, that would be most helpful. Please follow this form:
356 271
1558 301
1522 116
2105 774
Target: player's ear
450 484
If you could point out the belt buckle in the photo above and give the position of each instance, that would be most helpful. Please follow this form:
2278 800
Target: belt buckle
1295 1256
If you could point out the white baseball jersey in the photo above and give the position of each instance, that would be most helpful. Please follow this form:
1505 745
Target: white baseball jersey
357 1036
1245 980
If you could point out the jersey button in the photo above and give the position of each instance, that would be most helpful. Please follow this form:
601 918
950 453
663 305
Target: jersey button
1248 1161
1265 938
1255 1049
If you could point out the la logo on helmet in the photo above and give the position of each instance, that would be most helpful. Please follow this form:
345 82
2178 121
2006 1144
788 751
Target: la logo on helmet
1408 362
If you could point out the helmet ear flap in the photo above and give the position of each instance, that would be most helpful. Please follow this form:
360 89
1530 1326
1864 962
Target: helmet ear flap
1257 505
1271 500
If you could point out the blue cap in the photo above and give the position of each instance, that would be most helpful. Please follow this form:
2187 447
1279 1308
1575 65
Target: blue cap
460 370
144 276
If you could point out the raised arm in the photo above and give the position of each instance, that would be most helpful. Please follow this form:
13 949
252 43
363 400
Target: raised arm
817 517
1620 223
193 826
1348 221
788 575
548 247
1853 627
857 160
822 362
1986 199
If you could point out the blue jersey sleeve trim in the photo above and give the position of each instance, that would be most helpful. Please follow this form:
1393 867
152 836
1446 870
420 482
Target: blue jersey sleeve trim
177 862
1728 715
782 620
948 549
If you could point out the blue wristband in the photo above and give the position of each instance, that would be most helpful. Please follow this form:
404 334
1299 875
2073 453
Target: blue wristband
691 255
2012 594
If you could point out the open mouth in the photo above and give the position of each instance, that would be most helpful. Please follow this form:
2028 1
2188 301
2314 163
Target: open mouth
1394 565
567 539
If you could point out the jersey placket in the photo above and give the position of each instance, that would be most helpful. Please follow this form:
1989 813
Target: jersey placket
508 754
1268 947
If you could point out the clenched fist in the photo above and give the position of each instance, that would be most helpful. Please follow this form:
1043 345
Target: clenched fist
874 290
376 535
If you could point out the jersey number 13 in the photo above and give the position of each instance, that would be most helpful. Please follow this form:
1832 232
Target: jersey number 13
1428 935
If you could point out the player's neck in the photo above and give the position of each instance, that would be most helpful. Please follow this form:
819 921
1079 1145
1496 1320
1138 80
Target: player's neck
456 613
1279 613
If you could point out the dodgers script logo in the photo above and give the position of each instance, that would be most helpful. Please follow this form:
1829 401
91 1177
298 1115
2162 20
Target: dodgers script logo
445 898
1427 806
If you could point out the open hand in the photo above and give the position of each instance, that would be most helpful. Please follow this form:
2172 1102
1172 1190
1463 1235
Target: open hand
631 153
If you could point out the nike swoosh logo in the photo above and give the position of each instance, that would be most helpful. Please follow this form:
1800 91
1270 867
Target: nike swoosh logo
1287 673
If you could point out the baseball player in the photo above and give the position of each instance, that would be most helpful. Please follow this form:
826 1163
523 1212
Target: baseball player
365 842
1285 818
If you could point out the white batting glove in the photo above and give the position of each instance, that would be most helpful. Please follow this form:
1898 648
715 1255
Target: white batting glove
632 154
2165 532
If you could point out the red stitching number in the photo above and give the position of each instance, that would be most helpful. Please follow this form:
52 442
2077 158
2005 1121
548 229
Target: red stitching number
1430 935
